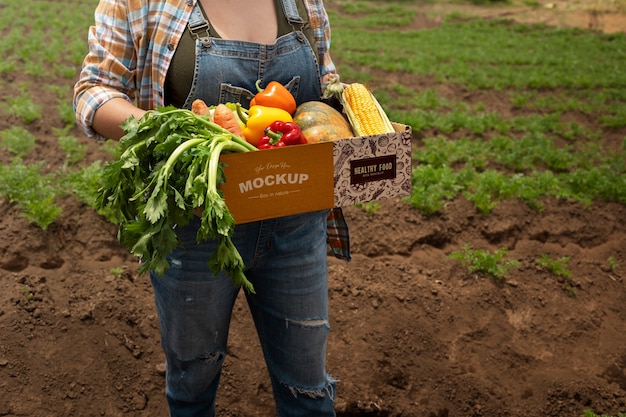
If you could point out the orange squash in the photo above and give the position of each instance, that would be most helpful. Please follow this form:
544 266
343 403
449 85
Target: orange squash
320 122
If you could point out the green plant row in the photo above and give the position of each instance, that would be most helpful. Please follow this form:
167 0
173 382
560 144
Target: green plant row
46 39
478 53
37 193
497 266
544 75
434 186
465 150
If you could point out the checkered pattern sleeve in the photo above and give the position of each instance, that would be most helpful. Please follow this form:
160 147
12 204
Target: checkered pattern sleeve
318 18
130 47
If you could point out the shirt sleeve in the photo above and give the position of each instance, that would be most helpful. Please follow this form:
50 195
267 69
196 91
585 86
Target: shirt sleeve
320 24
108 69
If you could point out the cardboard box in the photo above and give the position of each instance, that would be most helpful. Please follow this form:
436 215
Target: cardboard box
297 179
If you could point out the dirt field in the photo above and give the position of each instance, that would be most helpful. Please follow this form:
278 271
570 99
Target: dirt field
608 16
413 334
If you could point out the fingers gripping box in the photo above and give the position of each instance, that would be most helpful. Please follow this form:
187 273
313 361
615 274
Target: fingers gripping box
297 179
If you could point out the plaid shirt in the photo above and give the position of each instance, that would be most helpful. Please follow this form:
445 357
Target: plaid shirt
131 46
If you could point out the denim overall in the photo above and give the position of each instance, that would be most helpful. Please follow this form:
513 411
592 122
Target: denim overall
227 70
285 257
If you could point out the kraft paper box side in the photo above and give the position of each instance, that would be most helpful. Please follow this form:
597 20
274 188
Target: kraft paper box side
297 179
371 168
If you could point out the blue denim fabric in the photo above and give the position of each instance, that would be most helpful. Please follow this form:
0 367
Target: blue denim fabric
235 69
286 263
235 66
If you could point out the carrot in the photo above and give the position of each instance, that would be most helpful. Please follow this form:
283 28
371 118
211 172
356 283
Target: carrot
225 117
200 108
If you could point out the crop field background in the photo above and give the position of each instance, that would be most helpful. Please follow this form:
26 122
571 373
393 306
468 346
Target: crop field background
495 289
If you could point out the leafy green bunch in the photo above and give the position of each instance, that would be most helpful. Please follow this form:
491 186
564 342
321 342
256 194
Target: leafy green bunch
169 166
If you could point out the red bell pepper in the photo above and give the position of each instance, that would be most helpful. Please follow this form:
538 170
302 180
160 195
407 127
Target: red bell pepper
279 134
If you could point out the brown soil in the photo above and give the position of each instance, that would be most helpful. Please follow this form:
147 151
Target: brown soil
607 16
413 334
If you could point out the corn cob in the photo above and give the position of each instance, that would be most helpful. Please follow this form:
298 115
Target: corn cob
366 115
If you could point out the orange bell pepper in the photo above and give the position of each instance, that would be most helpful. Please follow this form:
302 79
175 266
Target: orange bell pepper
274 95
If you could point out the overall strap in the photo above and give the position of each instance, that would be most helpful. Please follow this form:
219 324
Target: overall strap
199 26
291 12
293 18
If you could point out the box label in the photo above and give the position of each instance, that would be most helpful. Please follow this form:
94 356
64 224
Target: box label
278 182
373 169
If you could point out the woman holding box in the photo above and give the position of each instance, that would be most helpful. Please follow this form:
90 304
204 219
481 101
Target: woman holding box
145 54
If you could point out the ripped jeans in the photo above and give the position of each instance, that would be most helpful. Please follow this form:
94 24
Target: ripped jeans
286 262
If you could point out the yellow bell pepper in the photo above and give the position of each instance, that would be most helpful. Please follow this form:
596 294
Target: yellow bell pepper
259 118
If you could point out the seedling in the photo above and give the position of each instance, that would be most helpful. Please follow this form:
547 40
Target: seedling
482 261
433 187
17 141
66 112
118 271
27 293
83 183
74 151
27 186
612 263
559 267
589 413
23 107
370 207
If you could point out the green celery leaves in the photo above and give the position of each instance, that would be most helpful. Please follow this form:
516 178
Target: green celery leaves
169 166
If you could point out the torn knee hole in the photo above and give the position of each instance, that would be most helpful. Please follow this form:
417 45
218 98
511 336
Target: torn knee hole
210 357
308 323
327 391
